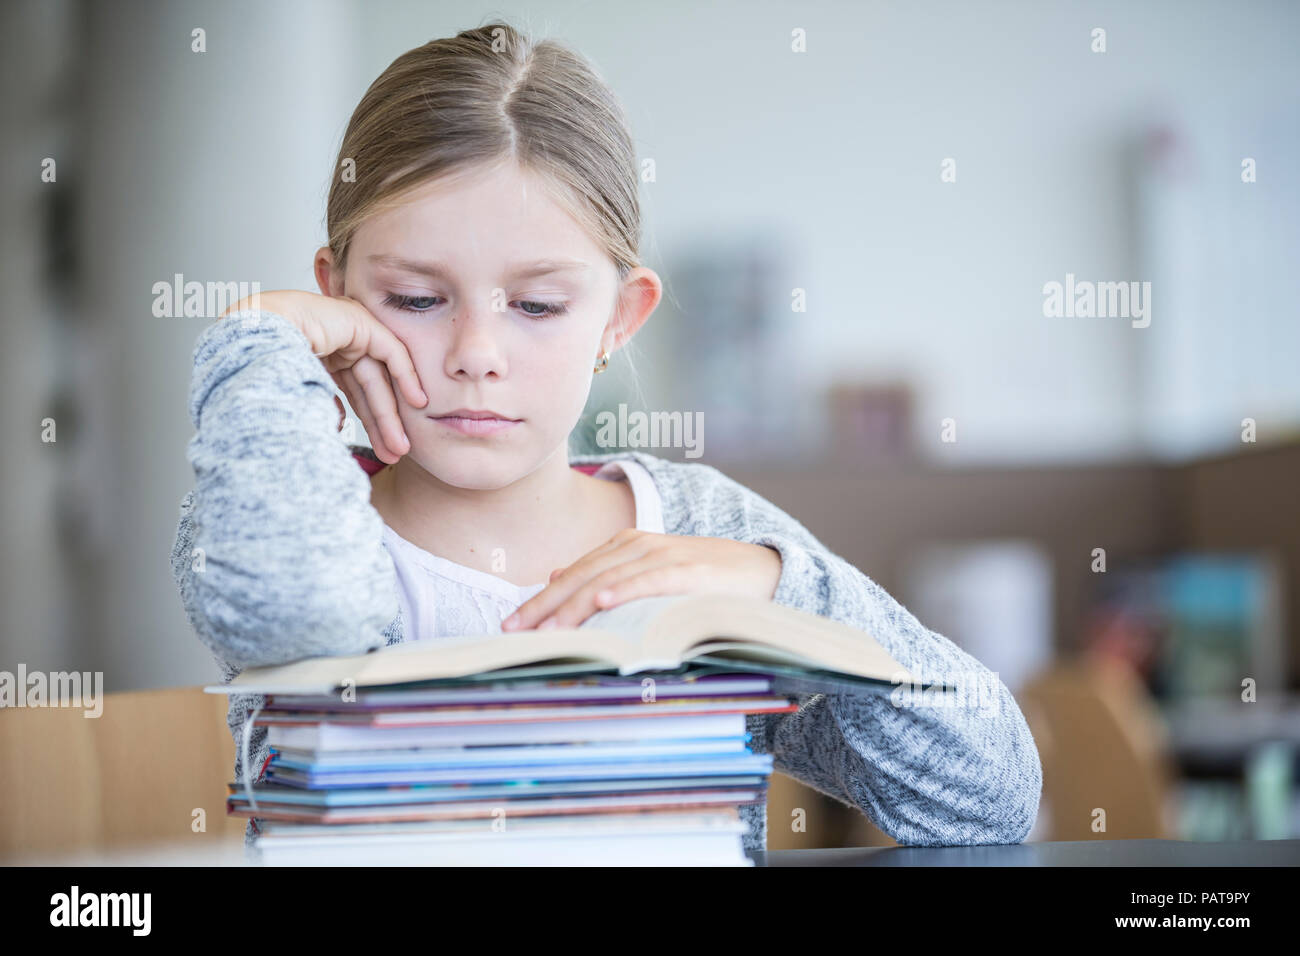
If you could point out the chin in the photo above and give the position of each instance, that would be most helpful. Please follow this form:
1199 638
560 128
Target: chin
475 469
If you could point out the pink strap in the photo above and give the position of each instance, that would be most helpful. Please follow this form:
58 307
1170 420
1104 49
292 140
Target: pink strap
370 466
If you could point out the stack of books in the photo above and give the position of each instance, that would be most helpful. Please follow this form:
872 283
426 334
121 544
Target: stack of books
622 742
528 771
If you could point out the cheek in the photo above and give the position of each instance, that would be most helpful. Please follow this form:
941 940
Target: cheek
561 375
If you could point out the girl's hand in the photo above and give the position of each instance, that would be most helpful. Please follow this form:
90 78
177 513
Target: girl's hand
361 355
636 564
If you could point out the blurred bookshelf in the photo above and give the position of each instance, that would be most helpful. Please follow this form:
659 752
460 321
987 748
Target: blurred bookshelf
1210 546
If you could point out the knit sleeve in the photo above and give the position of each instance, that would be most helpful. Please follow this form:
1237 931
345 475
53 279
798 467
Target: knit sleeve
278 553
926 774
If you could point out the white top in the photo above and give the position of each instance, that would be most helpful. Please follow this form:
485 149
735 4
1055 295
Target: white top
440 598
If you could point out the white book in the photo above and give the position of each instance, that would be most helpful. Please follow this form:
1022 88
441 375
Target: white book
673 850
709 838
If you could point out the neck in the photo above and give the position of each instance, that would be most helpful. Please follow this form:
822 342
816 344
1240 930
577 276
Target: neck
527 519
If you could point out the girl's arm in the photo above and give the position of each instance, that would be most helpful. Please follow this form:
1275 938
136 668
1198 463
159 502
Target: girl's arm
927 775
278 553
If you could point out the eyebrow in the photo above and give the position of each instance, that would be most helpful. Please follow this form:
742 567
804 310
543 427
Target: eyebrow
525 270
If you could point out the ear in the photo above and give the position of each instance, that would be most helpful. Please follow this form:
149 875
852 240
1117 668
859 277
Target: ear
328 278
638 295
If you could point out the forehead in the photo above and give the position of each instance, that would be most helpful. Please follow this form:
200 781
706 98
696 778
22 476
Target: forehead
502 214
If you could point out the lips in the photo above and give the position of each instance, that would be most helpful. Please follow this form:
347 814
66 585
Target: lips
475 422
476 415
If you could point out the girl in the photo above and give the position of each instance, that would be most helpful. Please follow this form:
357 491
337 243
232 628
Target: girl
481 267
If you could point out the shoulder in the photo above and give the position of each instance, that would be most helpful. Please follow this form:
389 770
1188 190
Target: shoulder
671 475
697 498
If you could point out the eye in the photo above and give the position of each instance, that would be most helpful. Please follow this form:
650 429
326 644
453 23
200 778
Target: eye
425 303
546 308
410 303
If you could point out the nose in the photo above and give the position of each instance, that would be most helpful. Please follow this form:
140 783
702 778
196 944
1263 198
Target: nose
474 351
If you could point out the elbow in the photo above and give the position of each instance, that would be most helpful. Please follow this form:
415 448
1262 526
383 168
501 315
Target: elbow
992 798
1013 809
1003 815
253 628
1023 779
1006 792
255 608
248 619
1029 794
1013 792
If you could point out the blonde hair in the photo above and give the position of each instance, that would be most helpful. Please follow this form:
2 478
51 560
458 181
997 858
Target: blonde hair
487 96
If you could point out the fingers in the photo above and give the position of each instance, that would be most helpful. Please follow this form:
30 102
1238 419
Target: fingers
378 390
651 575
366 358
626 546
357 397
344 332
388 349
663 578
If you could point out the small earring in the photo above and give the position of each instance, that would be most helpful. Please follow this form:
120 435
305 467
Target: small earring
602 363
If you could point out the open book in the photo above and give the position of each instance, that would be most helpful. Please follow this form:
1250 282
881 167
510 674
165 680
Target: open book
802 652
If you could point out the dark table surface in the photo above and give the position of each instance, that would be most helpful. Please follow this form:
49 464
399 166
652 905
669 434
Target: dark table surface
1081 853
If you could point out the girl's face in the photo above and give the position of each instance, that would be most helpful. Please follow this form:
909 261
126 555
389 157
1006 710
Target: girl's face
504 304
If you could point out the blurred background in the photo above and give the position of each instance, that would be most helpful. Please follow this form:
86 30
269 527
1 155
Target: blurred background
855 238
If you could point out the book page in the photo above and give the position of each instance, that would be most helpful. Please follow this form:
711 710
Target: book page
632 619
